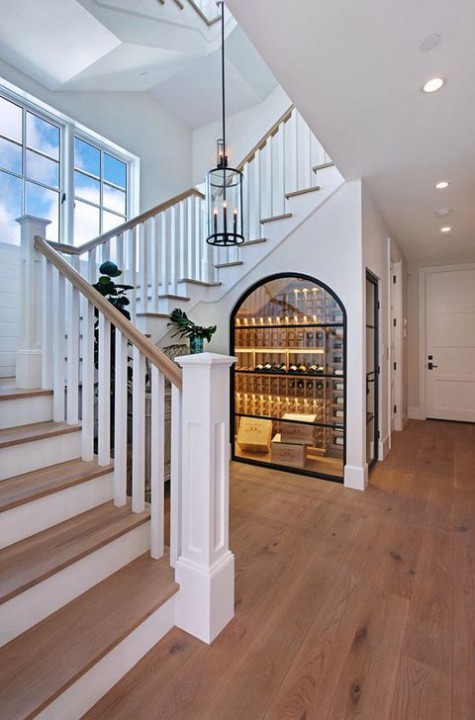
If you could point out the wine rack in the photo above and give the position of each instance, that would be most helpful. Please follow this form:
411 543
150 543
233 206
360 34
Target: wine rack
289 340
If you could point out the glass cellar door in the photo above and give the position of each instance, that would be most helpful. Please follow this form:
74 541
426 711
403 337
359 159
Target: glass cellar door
288 400
372 377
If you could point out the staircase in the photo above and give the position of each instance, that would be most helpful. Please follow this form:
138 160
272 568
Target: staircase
94 570
286 177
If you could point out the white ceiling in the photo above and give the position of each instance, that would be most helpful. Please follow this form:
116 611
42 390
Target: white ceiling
354 70
134 45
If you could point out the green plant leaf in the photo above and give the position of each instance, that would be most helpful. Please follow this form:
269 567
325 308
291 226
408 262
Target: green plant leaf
109 268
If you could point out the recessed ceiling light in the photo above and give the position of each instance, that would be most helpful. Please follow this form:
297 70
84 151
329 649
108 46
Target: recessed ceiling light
433 85
442 185
445 229
429 43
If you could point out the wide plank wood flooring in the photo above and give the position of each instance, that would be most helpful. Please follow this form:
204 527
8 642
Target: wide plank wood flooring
348 605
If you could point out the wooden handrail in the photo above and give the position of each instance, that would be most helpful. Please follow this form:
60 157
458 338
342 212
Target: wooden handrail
262 142
101 239
171 371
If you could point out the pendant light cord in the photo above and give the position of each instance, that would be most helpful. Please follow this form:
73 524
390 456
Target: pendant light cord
223 91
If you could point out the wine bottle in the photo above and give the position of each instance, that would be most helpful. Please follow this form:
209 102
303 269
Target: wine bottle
282 368
312 370
259 368
302 368
293 368
267 367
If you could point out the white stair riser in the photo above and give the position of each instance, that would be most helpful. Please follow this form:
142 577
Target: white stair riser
30 518
95 683
25 410
39 601
36 454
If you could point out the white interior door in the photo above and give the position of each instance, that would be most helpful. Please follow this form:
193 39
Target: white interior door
450 344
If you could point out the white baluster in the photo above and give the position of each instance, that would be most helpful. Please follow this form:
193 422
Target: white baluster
303 150
190 223
257 163
291 143
164 251
88 384
175 476
198 239
120 420
157 449
92 274
138 432
120 254
141 234
278 186
247 200
58 347
104 371
154 263
266 179
47 321
131 269
182 246
173 253
72 365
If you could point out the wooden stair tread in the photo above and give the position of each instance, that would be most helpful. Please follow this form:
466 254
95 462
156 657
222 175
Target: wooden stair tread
38 483
35 431
233 263
10 392
199 282
284 216
256 241
296 193
45 660
36 558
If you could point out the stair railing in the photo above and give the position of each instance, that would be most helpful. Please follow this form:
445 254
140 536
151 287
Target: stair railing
164 247
158 249
102 378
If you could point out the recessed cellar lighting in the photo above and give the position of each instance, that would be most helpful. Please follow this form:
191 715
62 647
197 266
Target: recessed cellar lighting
442 185
445 229
433 85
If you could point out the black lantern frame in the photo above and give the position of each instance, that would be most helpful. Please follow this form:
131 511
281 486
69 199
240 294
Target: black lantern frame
224 184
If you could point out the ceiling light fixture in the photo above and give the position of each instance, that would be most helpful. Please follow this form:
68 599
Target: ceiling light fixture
223 183
445 229
443 212
429 43
433 85
442 185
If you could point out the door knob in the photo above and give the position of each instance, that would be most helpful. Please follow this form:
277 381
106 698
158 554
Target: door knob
430 365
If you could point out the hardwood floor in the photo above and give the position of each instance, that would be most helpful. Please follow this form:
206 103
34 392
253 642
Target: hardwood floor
348 605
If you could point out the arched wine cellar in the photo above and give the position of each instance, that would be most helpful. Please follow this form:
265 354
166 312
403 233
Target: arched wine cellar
288 333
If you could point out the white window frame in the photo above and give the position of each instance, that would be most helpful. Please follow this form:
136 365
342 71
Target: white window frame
69 129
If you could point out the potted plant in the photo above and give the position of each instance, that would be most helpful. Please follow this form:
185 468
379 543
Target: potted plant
187 328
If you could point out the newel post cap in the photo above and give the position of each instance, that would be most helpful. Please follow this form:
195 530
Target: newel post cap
206 360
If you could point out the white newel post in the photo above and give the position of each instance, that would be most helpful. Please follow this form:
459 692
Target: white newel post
29 355
205 568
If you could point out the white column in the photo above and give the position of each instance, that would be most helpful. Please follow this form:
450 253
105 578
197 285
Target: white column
29 355
205 568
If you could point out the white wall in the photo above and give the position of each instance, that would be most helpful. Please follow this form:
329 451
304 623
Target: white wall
376 251
243 129
327 246
414 329
9 308
134 121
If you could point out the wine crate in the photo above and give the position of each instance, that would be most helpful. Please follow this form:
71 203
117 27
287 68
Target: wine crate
254 434
284 453
297 432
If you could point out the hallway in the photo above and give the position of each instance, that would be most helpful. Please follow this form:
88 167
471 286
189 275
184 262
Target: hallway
348 604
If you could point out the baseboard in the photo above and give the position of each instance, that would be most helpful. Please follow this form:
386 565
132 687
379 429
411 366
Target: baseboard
96 682
33 605
384 447
415 413
356 478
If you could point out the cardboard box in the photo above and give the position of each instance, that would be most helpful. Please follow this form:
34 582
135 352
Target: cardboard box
283 453
254 434
298 432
